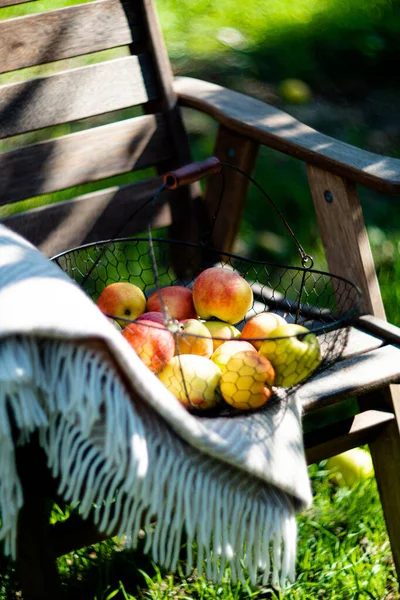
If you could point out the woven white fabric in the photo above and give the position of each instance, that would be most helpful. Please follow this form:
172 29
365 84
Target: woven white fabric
112 431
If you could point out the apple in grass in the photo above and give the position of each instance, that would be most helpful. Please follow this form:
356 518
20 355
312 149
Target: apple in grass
221 332
152 342
176 298
260 326
122 299
247 380
294 353
349 468
221 293
194 380
224 352
194 338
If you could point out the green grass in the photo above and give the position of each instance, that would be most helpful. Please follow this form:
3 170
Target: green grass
343 554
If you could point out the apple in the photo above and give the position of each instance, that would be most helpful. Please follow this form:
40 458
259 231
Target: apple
295 91
157 317
194 338
224 352
221 331
247 380
258 327
294 353
222 293
178 300
122 299
152 342
349 468
194 380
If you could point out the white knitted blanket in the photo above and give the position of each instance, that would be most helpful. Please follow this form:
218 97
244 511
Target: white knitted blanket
112 431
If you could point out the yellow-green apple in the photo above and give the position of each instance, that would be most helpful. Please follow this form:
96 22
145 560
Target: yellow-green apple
194 380
152 342
221 332
258 327
122 299
158 317
349 468
224 352
222 293
294 353
178 300
193 338
247 380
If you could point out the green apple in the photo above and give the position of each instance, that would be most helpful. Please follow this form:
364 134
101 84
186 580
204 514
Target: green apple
293 351
295 91
351 467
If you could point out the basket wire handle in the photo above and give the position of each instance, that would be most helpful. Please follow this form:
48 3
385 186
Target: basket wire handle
195 171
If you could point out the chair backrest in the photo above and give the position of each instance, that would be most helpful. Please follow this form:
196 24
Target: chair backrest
101 106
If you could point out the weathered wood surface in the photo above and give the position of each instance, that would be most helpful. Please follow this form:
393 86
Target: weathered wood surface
340 437
358 342
272 127
242 153
385 452
354 376
387 331
4 3
65 33
344 235
96 216
75 94
82 157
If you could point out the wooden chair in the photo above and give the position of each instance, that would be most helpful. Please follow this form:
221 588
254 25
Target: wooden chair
139 89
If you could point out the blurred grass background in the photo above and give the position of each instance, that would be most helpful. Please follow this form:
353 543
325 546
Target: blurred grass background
347 55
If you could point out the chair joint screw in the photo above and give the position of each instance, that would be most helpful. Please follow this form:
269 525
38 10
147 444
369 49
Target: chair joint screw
328 196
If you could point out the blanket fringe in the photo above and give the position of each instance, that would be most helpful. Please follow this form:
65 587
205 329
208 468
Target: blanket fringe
120 462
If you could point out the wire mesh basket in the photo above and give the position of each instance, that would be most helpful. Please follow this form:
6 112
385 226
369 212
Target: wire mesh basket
233 333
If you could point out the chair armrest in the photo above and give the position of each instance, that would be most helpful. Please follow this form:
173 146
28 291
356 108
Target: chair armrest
272 127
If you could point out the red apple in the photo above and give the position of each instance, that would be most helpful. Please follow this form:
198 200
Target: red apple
177 298
260 326
122 299
152 342
222 293
157 317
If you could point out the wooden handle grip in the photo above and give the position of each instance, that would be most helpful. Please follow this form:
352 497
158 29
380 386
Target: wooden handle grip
191 172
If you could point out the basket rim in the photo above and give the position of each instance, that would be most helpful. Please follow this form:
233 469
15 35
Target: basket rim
328 327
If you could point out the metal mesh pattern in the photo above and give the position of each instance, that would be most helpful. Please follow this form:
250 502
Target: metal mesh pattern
318 301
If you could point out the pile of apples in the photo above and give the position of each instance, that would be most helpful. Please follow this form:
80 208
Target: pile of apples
190 340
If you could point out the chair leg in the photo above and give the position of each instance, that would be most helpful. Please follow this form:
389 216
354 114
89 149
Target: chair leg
36 565
385 452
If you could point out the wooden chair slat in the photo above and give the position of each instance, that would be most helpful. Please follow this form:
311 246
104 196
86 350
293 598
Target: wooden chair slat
75 94
99 215
358 342
272 127
355 376
4 3
64 33
81 157
340 437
